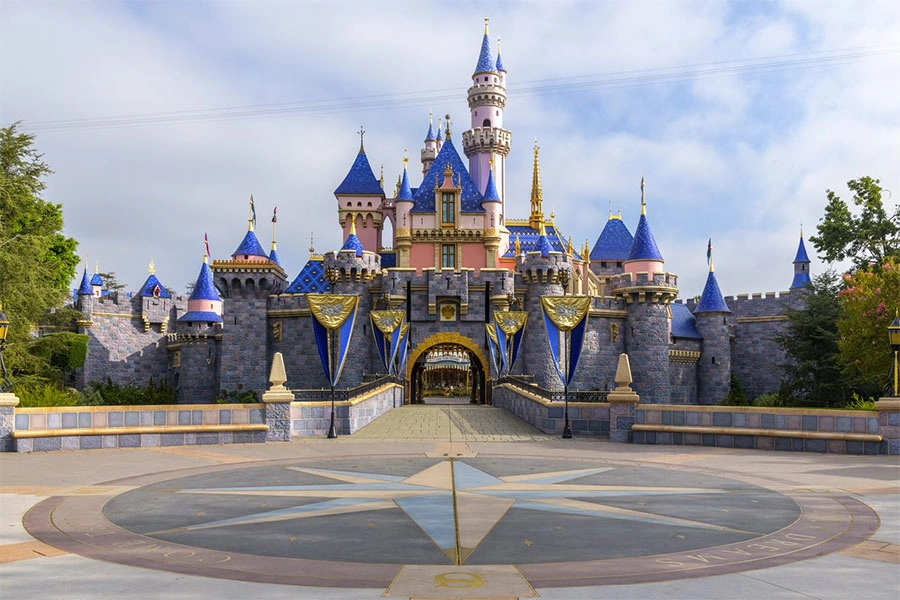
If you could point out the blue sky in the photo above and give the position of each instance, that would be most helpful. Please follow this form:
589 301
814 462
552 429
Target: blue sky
737 154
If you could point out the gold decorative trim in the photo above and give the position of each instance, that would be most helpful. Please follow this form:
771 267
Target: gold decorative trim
609 312
687 357
40 433
810 435
288 312
447 338
761 319
115 315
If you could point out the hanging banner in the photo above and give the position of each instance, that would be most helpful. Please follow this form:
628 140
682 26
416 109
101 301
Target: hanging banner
568 315
386 331
512 325
402 351
493 346
333 317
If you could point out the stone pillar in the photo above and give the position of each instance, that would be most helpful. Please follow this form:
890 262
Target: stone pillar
622 403
8 403
889 425
278 403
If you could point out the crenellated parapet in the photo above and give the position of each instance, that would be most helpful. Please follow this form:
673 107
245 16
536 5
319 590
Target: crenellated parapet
534 268
351 266
660 288
481 140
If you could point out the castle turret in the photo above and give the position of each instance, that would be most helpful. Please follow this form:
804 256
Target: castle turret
195 350
97 282
429 152
85 302
711 321
403 204
273 254
612 247
487 141
647 290
801 266
492 232
361 197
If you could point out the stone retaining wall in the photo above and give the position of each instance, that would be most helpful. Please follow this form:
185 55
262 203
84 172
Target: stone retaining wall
585 418
314 418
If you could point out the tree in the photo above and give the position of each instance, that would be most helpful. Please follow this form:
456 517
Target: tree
111 282
869 301
37 262
866 239
815 367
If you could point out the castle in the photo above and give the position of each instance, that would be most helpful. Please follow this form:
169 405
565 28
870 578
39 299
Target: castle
456 258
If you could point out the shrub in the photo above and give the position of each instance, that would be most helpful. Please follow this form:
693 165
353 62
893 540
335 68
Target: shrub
768 400
736 396
113 394
45 394
236 397
857 402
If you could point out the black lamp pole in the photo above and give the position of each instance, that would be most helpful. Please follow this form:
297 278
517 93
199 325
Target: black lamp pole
5 383
894 338
567 431
332 274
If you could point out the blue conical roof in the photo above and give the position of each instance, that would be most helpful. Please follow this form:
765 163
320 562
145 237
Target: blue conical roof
614 242
85 286
273 256
250 246
801 252
544 246
644 247
150 285
353 243
360 179
499 63
485 62
96 279
711 300
424 195
405 192
429 137
440 135
801 280
205 289
490 190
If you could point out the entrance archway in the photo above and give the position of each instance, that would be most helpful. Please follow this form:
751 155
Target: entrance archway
442 363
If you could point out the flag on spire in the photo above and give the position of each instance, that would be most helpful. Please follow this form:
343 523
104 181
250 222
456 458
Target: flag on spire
709 252
206 243
252 211
275 215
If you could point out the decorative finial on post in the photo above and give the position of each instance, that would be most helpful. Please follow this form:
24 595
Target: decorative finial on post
643 199
362 133
312 246
486 21
447 119
152 267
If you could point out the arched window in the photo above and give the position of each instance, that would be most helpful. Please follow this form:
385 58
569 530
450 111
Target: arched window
487 123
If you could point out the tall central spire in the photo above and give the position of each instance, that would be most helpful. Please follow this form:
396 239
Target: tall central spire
536 219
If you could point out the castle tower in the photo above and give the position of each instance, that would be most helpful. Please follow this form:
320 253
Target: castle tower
403 203
273 254
540 271
536 219
487 141
711 320
245 282
361 195
195 351
647 291
85 302
492 232
612 247
429 152
97 282
801 266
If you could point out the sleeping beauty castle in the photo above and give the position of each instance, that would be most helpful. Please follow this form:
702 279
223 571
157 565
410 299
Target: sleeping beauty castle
462 253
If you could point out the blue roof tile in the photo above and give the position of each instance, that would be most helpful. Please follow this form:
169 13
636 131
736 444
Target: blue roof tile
352 243
310 280
250 246
801 252
440 134
543 245
499 63
711 300
485 62
801 280
150 285
205 289
388 260
644 245
360 179
405 192
490 190
529 237
96 279
429 137
200 316
273 256
85 287
424 196
684 325
614 242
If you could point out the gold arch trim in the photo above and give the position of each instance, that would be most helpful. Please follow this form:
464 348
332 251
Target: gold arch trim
447 338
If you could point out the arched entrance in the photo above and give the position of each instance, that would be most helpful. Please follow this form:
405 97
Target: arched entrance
447 366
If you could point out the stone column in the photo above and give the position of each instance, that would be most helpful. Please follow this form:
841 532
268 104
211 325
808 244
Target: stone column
889 425
8 403
622 403
278 403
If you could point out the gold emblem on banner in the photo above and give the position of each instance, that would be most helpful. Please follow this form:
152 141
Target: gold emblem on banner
332 310
387 321
566 312
510 321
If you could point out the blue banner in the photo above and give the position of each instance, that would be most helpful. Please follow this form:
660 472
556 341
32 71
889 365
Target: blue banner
333 318
567 315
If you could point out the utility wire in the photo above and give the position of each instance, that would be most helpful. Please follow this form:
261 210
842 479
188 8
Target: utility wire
542 87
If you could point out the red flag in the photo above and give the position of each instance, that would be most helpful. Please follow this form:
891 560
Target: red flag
206 241
275 215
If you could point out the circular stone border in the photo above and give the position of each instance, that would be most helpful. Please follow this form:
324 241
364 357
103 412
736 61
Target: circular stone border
76 523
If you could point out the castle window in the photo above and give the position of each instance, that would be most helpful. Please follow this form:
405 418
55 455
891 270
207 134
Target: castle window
487 123
448 256
602 264
448 208
618 265
156 292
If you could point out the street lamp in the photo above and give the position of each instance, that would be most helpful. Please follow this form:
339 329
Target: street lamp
5 383
332 274
894 339
567 431
564 280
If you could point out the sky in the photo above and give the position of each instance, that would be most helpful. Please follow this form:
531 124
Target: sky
160 119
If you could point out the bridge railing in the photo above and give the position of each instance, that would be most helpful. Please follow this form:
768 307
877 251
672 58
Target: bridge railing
370 382
527 383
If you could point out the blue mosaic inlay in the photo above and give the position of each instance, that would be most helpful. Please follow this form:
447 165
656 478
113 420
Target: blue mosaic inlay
310 279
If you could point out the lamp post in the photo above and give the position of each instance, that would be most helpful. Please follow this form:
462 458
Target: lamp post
894 339
5 383
332 274
567 432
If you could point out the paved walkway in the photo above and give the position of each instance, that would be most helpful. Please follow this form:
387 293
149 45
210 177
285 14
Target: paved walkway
69 490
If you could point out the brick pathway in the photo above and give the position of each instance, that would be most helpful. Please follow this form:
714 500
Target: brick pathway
451 423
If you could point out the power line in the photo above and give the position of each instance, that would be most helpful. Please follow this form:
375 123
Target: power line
543 87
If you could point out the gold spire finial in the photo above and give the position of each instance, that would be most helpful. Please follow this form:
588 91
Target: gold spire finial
312 245
801 230
537 190
498 44
381 181
709 255
97 264
274 225
570 249
352 224
405 158
643 200
152 267
486 21
543 229
430 116
610 209
518 245
447 119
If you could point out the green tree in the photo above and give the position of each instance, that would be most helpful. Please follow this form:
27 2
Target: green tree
866 238
815 369
869 300
37 262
